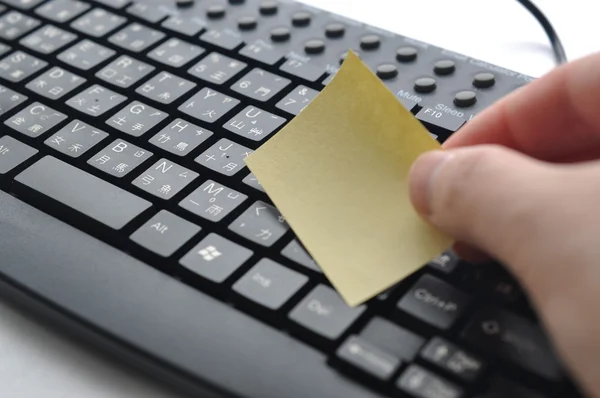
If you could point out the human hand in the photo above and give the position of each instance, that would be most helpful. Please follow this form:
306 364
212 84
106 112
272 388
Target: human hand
521 183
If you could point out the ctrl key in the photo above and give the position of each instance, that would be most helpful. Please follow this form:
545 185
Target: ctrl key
12 153
421 383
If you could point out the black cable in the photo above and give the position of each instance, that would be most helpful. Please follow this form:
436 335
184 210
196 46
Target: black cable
557 47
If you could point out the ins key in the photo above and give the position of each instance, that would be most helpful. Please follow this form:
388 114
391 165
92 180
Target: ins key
435 302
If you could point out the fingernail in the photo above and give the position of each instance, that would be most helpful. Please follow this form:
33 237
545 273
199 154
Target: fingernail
421 177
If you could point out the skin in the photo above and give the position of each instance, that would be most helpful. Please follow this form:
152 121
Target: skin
521 183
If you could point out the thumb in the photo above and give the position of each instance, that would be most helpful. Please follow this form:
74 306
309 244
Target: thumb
541 220
502 202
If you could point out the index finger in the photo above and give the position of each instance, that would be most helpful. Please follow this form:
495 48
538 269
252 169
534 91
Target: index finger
553 118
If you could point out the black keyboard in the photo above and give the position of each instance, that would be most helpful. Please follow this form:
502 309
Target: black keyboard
131 122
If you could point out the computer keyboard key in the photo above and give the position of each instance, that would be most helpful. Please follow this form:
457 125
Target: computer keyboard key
215 258
484 80
268 7
98 22
443 119
136 37
301 19
14 24
47 39
208 105
425 85
314 46
254 124
260 223
446 262
185 26
502 388
280 34
165 88
303 70
23 4
386 71
444 67
297 100
335 30
164 233
225 157
324 312
165 179
226 38
260 85
55 83
406 54
13 153
180 137
217 68
76 138
215 11
392 338
213 201
453 359
247 22
148 12
295 252
9 99
370 42
435 302
252 181
421 383
62 10
262 51
269 284
176 53
514 339
124 71
85 55
366 357
35 119
4 48
465 99
119 158
136 118
95 101
83 192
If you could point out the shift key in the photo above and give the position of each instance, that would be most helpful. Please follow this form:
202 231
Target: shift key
83 192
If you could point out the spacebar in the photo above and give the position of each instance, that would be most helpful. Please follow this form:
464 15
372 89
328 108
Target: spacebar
156 314
83 192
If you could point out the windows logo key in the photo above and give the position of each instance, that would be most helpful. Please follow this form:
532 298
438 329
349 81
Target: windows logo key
209 253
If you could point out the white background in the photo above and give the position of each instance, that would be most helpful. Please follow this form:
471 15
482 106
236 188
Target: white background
35 361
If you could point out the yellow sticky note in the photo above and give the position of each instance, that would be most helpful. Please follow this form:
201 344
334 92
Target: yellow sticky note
338 173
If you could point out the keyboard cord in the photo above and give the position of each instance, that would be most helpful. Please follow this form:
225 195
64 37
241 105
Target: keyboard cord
557 47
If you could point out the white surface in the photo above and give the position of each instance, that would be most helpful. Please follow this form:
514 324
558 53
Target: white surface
37 362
